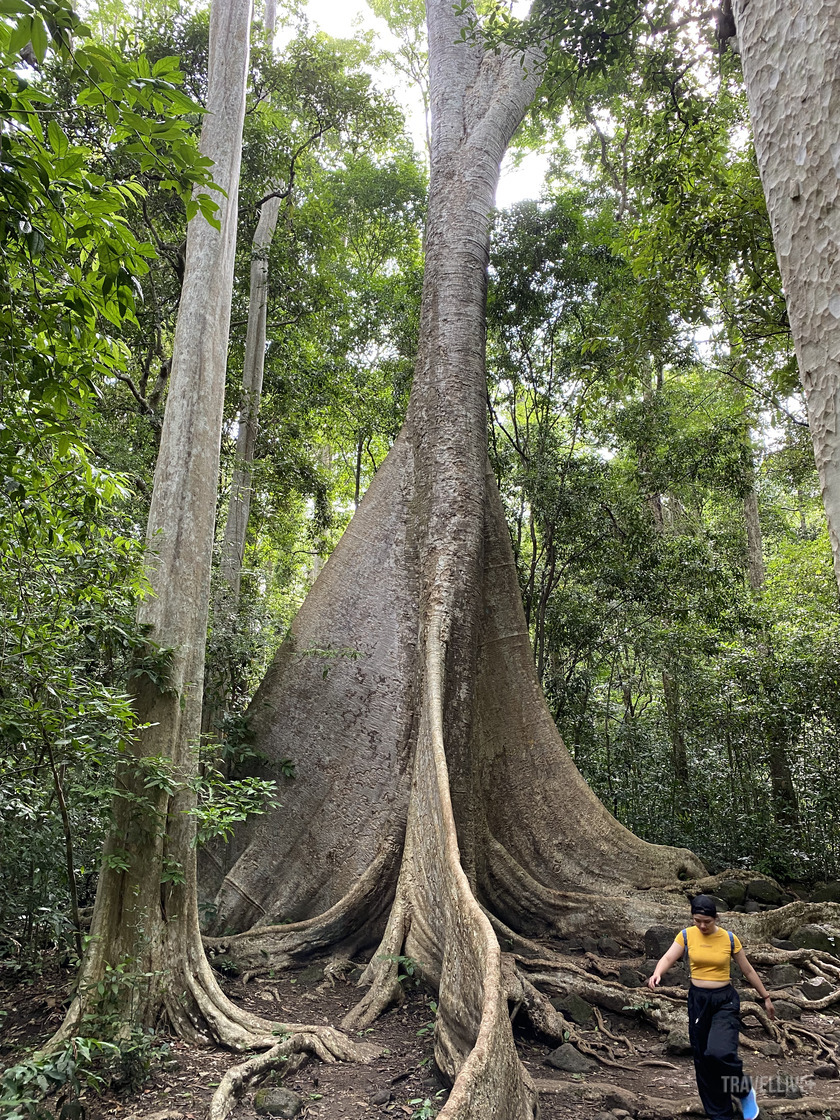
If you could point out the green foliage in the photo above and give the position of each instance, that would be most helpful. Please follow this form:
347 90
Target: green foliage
407 967
224 802
83 1063
424 1107
636 336
72 267
428 1028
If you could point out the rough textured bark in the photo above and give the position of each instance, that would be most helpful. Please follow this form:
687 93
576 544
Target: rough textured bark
435 804
790 55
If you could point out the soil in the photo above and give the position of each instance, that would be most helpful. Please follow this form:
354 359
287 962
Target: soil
403 1081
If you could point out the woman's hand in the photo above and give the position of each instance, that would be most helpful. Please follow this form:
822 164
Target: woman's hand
653 980
769 1008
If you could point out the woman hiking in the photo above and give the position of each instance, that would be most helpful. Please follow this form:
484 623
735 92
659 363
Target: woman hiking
713 1005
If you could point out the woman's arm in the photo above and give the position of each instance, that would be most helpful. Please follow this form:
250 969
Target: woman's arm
754 979
666 962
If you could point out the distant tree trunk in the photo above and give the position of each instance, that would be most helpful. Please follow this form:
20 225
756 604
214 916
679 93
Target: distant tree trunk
791 61
785 800
239 506
755 545
222 672
671 692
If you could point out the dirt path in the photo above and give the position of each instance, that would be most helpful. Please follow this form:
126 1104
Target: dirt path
403 1081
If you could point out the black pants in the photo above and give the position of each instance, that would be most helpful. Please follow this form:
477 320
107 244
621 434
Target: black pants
713 1025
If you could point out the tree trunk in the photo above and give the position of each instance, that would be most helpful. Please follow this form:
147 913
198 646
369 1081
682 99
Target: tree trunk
236 526
671 695
434 799
239 505
755 547
145 940
790 55
220 682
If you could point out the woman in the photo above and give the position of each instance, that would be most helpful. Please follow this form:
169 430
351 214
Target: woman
713 1005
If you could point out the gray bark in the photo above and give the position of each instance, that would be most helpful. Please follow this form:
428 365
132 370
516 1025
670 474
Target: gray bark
138 916
431 774
755 547
791 62
239 506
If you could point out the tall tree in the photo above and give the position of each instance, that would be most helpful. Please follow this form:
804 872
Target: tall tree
145 951
453 831
790 57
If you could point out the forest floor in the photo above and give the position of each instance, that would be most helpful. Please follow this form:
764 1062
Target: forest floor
403 1081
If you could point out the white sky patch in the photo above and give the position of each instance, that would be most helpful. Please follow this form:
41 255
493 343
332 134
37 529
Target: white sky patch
343 19
523 178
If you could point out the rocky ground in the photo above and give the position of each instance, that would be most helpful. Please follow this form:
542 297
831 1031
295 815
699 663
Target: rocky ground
641 1073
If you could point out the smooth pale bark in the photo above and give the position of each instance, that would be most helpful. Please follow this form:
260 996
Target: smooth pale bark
239 505
791 61
145 918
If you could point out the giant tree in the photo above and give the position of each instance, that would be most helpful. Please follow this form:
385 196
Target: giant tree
436 813
431 776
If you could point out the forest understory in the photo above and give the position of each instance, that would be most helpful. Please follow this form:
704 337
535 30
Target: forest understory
621 1065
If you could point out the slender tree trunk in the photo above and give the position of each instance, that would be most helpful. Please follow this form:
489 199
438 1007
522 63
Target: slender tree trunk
220 682
671 693
785 800
755 545
239 508
145 918
70 862
791 61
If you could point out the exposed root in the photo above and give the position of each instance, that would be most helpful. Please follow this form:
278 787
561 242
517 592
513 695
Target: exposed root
786 920
759 1045
547 1021
356 920
605 969
523 948
766 956
757 1010
325 1043
604 1029
822 1044
551 1024
381 974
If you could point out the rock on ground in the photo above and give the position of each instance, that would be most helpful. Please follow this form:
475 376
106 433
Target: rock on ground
281 1102
570 1060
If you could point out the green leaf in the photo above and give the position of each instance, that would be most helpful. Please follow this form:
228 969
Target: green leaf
39 38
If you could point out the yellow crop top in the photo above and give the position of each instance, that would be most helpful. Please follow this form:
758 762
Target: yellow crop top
709 953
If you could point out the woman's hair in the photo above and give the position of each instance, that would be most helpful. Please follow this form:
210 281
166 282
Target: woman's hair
704 904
